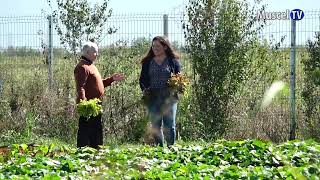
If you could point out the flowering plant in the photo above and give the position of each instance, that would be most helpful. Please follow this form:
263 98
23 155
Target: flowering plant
178 83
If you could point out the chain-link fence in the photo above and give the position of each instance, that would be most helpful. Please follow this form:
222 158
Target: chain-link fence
24 60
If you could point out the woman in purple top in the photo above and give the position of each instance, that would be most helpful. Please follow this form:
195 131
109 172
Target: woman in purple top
157 67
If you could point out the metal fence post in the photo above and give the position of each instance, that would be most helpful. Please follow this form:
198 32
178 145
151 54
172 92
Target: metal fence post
165 25
50 53
293 81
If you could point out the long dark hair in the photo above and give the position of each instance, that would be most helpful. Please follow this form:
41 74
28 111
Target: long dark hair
165 43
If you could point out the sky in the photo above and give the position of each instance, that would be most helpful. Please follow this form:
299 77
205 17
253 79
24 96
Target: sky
9 33
34 7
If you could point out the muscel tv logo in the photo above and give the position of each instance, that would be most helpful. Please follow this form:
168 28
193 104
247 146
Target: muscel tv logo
296 14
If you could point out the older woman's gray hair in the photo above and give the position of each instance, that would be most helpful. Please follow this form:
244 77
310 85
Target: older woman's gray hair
89 46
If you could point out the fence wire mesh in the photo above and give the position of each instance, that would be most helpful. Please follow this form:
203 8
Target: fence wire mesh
24 62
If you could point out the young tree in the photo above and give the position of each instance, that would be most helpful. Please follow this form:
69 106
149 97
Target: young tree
311 88
218 35
76 21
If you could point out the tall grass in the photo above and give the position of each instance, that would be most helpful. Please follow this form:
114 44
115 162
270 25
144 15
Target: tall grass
29 109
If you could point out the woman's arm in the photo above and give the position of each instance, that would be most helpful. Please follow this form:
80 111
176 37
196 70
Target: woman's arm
144 79
176 66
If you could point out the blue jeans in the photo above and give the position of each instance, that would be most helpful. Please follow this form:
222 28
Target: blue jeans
163 111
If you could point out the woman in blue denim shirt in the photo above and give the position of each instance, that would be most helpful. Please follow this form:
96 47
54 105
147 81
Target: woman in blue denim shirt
157 67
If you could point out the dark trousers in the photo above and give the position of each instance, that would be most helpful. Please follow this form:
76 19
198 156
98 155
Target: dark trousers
90 132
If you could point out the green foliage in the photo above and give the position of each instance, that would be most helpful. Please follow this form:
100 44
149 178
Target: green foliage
249 159
76 21
11 137
277 89
122 108
188 127
311 88
316 76
28 103
54 112
87 108
30 119
19 51
140 46
218 34
267 63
